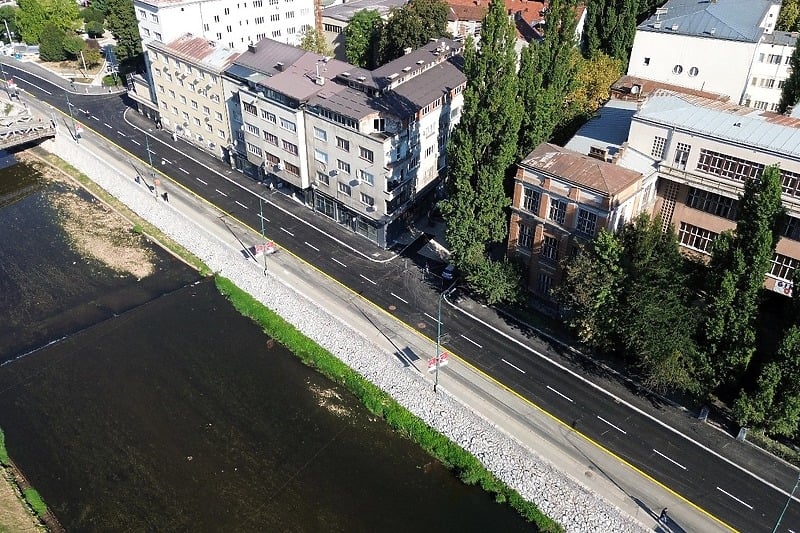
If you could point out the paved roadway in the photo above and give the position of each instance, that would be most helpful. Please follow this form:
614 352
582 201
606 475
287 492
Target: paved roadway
738 485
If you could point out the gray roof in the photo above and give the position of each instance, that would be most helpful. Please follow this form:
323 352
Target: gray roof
751 128
344 12
264 56
608 130
780 37
736 20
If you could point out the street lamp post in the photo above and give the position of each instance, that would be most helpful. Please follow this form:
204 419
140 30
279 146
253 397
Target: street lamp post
439 334
72 117
261 214
152 169
785 507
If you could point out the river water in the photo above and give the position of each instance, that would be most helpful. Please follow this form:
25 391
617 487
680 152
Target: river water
151 405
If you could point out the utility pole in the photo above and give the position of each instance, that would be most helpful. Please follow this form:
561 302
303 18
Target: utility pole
263 235
85 70
152 169
71 116
8 32
785 507
439 334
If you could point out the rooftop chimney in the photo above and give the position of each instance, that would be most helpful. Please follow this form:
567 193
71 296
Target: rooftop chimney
251 48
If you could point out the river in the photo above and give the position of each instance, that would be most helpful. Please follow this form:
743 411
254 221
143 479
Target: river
142 401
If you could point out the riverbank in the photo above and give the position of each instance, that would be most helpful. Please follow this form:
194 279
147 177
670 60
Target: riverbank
558 495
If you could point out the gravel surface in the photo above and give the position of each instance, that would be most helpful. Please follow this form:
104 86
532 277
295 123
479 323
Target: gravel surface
558 495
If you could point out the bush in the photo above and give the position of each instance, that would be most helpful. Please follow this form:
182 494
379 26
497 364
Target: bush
90 14
95 29
51 43
454 457
3 451
73 45
35 501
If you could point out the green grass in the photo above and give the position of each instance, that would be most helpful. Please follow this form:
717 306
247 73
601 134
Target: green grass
35 501
467 467
3 451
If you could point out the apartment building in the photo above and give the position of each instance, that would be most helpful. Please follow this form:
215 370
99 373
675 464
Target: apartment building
187 78
705 151
358 146
727 47
336 17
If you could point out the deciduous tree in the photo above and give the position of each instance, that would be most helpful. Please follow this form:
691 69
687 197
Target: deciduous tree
413 25
483 145
73 45
314 41
789 16
739 263
30 20
363 38
592 87
121 22
8 15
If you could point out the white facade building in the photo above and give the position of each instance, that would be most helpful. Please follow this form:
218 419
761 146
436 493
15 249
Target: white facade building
359 146
716 46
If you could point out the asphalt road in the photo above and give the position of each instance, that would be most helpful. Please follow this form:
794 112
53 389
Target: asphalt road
748 495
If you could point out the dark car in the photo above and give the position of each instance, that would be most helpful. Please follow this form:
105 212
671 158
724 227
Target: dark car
449 272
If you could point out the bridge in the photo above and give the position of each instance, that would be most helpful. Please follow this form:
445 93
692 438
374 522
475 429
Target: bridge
24 129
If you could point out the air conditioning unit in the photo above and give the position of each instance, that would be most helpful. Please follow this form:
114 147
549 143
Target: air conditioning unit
279 167
334 172
207 118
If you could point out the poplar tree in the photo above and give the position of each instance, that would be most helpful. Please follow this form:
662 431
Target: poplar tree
610 27
483 145
791 89
547 75
739 262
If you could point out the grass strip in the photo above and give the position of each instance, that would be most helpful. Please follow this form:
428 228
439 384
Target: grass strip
3 451
454 457
34 499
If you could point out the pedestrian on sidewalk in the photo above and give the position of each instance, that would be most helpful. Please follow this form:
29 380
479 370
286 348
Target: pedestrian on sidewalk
165 196
663 516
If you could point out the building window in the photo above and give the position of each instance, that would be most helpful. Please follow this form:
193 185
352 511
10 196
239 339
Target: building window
270 138
345 188
367 154
774 59
209 128
292 169
321 156
367 200
276 33
694 71
320 134
682 155
525 236
544 283
289 147
558 211
792 229
218 116
550 248
343 166
530 200
658 147
726 166
366 177
713 203
255 150
647 61
587 222
344 144
696 238
322 177
269 117
273 159
288 125
275 17
251 129
783 266
250 109
677 69
206 110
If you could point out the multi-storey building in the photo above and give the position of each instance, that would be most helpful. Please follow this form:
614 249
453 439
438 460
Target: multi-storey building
336 17
726 47
187 77
360 146
705 151
227 23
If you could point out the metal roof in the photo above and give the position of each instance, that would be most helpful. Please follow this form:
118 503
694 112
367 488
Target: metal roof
745 126
344 12
735 20
607 130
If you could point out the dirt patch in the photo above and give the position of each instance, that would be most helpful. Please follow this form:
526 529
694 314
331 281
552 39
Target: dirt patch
94 230
14 513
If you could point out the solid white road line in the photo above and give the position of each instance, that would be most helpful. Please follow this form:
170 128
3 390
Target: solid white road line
334 259
396 296
366 278
34 85
610 424
241 204
220 192
183 170
570 400
311 246
287 231
472 341
429 316
673 461
512 365
201 181
726 493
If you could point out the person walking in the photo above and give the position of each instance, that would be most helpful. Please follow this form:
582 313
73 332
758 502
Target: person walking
663 516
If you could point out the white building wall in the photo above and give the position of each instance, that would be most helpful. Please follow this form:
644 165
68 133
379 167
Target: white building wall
721 66
769 70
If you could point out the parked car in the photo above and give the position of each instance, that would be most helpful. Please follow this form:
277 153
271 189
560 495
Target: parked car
449 271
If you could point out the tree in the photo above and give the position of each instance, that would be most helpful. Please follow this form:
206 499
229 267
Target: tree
92 57
95 29
362 38
496 281
789 15
314 41
63 14
592 87
89 14
73 45
591 292
121 22
51 47
547 74
8 15
482 146
791 89
610 28
739 263
30 20
775 403
413 25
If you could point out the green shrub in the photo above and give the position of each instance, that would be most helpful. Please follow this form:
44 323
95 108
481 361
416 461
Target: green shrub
454 457
3 451
35 501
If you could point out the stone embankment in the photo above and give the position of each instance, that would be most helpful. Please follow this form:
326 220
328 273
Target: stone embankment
559 496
